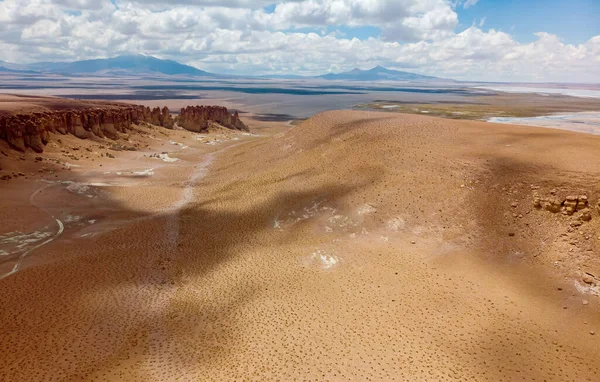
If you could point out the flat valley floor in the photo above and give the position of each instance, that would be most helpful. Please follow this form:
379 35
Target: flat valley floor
354 246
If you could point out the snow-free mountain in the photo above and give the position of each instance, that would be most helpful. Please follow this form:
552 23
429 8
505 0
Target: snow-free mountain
126 65
378 73
133 65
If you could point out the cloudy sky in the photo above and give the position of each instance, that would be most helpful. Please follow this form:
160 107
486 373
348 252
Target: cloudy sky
499 40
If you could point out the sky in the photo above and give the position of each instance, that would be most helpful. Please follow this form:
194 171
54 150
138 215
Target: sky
483 40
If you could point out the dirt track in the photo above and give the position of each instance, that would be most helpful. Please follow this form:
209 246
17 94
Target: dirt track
354 246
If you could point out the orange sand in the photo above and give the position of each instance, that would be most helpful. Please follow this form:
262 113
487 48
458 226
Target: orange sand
354 246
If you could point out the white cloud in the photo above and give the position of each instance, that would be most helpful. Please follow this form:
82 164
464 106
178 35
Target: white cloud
240 36
470 3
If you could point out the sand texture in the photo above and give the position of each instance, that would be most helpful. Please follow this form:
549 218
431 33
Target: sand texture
354 246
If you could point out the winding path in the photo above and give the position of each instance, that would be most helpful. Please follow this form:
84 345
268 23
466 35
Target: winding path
61 228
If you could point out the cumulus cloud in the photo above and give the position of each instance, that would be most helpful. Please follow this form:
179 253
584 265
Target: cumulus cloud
241 36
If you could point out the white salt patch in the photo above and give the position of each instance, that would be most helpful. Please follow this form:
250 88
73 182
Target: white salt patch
389 106
148 172
342 221
396 224
78 188
583 93
586 289
23 239
167 158
139 174
307 213
136 174
324 260
71 219
367 209
82 188
584 122
183 147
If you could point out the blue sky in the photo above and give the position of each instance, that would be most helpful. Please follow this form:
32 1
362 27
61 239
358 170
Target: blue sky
575 21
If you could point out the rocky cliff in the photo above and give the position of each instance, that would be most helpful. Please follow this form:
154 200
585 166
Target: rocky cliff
32 129
196 118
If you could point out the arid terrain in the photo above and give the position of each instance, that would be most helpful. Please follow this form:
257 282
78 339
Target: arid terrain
353 246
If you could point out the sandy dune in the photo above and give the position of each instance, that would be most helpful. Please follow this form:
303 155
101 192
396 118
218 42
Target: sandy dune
354 246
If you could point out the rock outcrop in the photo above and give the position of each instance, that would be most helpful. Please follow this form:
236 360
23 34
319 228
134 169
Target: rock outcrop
32 130
197 118
569 205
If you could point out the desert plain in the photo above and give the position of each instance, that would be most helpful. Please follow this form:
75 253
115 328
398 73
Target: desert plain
353 245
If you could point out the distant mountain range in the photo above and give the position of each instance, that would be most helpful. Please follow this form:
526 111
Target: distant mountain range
378 73
133 65
127 65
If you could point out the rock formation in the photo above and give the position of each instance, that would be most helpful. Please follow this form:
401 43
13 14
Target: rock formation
568 205
23 130
197 118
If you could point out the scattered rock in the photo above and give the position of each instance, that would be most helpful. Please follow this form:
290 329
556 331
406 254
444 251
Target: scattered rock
586 216
553 206
588 279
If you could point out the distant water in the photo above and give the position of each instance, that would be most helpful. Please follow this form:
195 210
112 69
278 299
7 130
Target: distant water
583 93
586 122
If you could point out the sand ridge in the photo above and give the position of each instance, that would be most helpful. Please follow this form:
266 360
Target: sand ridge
354 246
